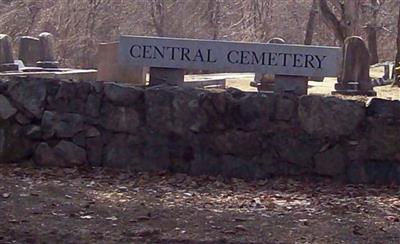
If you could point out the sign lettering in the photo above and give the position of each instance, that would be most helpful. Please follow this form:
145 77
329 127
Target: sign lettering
226 56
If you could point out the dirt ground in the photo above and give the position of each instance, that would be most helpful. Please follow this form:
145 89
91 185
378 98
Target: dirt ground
104 206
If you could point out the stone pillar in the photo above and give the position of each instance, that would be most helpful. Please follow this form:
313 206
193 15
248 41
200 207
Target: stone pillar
296 85
108 68
47 53
355 78
6 54
284 84
266 82
172 77
29 50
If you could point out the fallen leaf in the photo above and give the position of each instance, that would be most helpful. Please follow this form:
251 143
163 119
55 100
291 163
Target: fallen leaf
113 218
240 228
86 217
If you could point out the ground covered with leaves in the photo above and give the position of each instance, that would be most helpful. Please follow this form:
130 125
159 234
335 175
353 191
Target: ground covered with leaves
104 206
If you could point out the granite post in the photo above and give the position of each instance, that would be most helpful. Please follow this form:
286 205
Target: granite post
29 50
47 53
6 54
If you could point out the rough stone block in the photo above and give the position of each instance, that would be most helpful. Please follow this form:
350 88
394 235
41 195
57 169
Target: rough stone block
6 109
61 125
122 95
30 95
329 116
331 162
120 119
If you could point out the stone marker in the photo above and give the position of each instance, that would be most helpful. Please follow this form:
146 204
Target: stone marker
6 54
29 50
224 56
355 78
110 70
47 53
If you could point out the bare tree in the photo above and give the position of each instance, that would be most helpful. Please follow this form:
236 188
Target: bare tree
311 23
347 23
158 14
372 30
214 17
397 63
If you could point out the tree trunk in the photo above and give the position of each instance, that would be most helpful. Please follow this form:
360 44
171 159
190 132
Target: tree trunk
332 21
397 64
157 12
347 24
372 33
311 23
214 11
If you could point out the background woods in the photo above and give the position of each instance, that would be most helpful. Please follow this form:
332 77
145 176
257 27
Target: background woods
79 25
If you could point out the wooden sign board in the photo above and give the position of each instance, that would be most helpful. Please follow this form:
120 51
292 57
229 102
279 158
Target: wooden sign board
224 56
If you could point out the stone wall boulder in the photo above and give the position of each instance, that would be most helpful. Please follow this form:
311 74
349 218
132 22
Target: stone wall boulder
6 109
29 95
216 111
70 97
331 162
254 112
14 143
158 103
64 154
123 151
120 119
61 125
329 116
122 95
296 148
384 109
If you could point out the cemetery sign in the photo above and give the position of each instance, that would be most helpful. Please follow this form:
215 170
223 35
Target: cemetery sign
224 56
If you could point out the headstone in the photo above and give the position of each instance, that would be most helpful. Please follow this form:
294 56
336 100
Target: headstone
47 53
110 70
166 76
6 54
29 50
355 78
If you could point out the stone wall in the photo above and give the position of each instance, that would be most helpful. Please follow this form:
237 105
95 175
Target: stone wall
229 133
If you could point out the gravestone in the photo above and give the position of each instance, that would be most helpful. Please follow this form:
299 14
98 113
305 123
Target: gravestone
108 68
355 78
29 50
47 54
265 82
6 54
